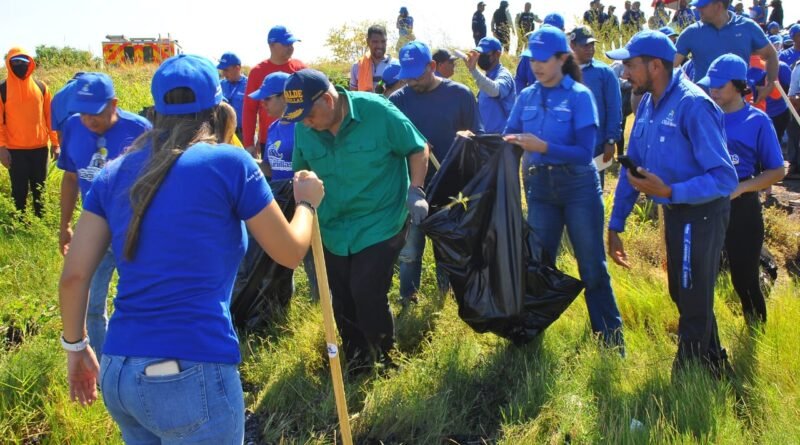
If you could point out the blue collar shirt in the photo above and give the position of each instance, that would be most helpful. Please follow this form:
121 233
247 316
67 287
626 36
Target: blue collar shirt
740 36
680 139
495 110
604 85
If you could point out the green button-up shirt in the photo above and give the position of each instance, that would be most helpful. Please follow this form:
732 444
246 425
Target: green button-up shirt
365 171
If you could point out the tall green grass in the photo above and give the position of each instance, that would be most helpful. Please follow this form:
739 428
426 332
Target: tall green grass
453 385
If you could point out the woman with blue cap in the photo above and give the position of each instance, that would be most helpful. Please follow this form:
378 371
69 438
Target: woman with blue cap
555 121
172 209
756 155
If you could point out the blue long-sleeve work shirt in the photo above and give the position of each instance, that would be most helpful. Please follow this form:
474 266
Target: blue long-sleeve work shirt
603 83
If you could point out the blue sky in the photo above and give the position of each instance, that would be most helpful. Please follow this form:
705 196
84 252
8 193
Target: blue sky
210 28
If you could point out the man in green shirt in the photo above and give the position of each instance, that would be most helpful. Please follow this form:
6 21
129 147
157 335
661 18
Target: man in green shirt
373 162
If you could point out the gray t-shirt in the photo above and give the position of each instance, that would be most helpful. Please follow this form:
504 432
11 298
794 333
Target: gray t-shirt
377 73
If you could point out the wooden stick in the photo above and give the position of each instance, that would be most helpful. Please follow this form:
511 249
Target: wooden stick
330 333
788 102
433 160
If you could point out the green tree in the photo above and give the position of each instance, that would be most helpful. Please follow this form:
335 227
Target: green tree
50 56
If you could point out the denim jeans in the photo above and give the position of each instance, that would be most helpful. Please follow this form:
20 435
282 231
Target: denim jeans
96 316
411 264
203 404
570 195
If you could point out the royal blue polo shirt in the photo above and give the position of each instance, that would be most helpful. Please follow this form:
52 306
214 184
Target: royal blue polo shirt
173 297
789 56
604 85
740 36
495 110
278 150
234 95
752 142
555 115
777 106
680 139
85 153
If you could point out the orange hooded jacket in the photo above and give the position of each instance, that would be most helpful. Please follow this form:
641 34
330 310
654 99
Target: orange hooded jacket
27 111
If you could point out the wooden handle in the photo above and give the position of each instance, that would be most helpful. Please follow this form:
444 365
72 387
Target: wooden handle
330 333
788 102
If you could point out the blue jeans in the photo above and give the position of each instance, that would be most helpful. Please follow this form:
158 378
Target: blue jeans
411 264
570 195
203 404
96 316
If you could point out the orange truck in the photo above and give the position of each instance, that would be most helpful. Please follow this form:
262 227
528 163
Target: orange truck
117 49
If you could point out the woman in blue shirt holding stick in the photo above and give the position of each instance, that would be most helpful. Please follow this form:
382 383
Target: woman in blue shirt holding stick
756 155
555 122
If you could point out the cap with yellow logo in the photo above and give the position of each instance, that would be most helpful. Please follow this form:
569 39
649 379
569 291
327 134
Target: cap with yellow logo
300 91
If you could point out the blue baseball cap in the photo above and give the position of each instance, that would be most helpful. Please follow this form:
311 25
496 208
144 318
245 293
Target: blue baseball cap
546 42
755 76
300 91
228 60
489 44
391 74
645 43
668 31
775 39
554 19
186 71
723 69
272 86
702 3
92 93
414 57
773 25
794 30
403 10
279 34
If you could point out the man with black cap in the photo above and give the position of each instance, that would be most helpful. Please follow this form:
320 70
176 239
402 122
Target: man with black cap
281 48
373 161
602 82
25 130
438 108
681 161
445 63
479 23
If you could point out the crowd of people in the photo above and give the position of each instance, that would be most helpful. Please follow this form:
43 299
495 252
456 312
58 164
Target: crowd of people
170 202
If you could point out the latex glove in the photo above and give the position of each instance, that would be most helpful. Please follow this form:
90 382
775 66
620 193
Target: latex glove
417 206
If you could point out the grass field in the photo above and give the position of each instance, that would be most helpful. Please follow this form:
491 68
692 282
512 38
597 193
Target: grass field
453 385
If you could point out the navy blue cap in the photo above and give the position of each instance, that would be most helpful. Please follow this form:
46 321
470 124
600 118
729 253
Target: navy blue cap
723 69
92 93
773 25
414 57
546 42
186 71
488 44
668 31
272 86
645 43
300 91
391 73
403 10
554 19
794 30
279 34
581 35
228 60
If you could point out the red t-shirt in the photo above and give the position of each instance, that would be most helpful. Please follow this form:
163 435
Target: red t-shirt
253 108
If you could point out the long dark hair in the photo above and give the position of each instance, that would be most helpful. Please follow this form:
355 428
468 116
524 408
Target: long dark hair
170 137
571 67
741 86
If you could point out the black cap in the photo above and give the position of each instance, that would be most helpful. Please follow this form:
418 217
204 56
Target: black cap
443 55
582 35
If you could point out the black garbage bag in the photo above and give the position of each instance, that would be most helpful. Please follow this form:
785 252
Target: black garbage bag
263 287
500 278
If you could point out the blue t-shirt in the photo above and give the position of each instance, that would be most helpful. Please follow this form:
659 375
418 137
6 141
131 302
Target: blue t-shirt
752 142
603 83
278 150
494 110
778 106
555 115
59 105
85 153
439 114
233 92
789 56
682 141
740 36
173 298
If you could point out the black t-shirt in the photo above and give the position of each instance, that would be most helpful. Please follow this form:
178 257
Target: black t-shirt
526 21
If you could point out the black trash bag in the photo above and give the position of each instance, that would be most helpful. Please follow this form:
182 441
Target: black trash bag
263 287
500 278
